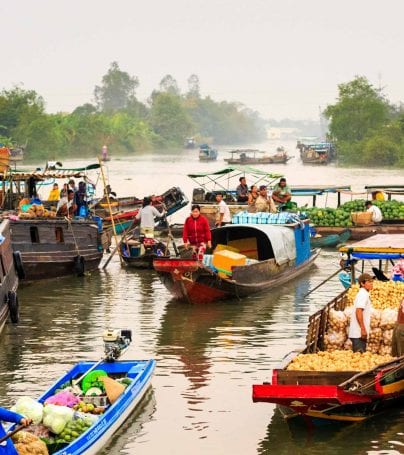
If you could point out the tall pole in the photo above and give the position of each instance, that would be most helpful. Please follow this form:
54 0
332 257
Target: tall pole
109 207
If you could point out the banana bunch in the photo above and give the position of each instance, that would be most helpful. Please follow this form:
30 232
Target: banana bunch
337 361
385 294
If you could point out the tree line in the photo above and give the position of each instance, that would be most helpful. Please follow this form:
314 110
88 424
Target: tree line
119 120
367 129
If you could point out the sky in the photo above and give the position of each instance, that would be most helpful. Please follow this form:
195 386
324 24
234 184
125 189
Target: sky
283 58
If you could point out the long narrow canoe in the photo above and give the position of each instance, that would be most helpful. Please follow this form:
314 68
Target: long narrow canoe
95 437
330 241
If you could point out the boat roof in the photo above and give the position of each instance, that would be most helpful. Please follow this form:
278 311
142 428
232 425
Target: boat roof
239 151
307 190
44 174
278 239
226 178
379 243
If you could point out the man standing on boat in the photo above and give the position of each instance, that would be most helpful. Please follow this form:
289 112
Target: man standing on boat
242 190
377 216
196 230
146 216
281 193
66 205
263 203
359 327
224 216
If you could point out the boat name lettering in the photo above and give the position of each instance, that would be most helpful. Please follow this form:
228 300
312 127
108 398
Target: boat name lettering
100 426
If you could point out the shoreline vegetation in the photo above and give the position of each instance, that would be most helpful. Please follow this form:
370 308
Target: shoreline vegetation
367 130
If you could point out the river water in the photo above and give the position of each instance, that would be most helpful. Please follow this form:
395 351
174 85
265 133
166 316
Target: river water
207 356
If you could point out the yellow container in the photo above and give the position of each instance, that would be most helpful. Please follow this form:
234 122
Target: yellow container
361 217
225 260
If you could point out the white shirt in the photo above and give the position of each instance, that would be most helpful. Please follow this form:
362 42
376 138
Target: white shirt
146 216
223 208
64 200
362 300
376 213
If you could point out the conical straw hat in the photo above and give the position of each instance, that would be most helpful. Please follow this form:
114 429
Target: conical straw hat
113 389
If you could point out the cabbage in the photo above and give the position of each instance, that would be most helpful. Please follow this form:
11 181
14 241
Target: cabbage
29 408
56 417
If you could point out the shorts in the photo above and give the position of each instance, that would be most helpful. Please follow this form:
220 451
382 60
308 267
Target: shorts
358 345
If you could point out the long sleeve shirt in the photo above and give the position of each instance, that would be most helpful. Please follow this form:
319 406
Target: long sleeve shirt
196 231
7 447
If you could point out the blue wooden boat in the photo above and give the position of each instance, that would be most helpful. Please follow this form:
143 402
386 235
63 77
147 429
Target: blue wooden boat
207 153
95 437
330 241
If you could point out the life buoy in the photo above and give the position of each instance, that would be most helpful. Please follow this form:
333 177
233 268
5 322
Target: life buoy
13 306
79 265
19 268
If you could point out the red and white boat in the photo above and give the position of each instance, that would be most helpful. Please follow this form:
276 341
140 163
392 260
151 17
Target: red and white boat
319 396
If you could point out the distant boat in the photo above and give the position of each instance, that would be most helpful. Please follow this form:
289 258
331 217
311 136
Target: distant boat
207 153
190 143
317 153
248 156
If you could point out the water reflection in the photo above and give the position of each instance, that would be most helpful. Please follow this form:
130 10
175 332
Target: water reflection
381 435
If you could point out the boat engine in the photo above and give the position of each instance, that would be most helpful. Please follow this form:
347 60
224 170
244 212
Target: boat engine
115 343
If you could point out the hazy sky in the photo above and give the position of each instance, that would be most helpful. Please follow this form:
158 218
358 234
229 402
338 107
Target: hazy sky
283 58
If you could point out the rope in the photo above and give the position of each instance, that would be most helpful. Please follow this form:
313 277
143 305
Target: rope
74 237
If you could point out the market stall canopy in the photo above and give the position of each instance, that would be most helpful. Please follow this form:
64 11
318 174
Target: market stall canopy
44 174
380 246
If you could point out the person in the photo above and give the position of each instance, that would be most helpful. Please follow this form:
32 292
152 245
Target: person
224 216
13 417
80 198
242 190
252 197
196 229
377 216
104 152
281 193
72 185
66 206
64 190
359 327
397 347
263 203
146 216
54 194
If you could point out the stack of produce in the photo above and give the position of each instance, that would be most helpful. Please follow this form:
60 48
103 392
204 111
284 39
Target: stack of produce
28 444
385 294
36 211
341 216
336 334
337 361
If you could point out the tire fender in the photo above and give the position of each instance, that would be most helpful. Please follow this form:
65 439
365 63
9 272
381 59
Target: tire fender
13 306
79 265
19 268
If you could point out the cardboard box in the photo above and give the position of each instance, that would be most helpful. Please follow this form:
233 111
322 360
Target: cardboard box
361 217
247 246
225 260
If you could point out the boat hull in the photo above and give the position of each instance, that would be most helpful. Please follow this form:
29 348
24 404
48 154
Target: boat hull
363 232
49 248
190 281
330 241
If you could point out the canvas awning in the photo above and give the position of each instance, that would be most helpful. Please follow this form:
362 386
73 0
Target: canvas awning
379 243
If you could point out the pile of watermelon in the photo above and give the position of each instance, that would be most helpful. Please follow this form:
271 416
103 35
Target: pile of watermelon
341 217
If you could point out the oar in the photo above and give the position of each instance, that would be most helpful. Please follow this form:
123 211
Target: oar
325 281
12 433
171 237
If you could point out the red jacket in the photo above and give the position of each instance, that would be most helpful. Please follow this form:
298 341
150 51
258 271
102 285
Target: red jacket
196 230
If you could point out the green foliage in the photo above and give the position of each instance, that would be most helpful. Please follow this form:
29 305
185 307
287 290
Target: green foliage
120 121
117 90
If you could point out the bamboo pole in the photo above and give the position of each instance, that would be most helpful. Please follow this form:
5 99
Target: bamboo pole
109 208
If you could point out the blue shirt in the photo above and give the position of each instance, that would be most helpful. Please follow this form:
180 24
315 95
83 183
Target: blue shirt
8 416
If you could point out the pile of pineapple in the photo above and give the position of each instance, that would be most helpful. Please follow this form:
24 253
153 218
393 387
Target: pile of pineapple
337 361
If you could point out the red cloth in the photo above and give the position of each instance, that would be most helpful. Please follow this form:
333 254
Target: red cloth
196 230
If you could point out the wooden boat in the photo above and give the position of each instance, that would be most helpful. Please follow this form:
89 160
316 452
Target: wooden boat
173 199
140 253
17 154
343 396
101 431
10 263
316 153
363 232
207 153
52 248
190 143
248 156
330 241
275 255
